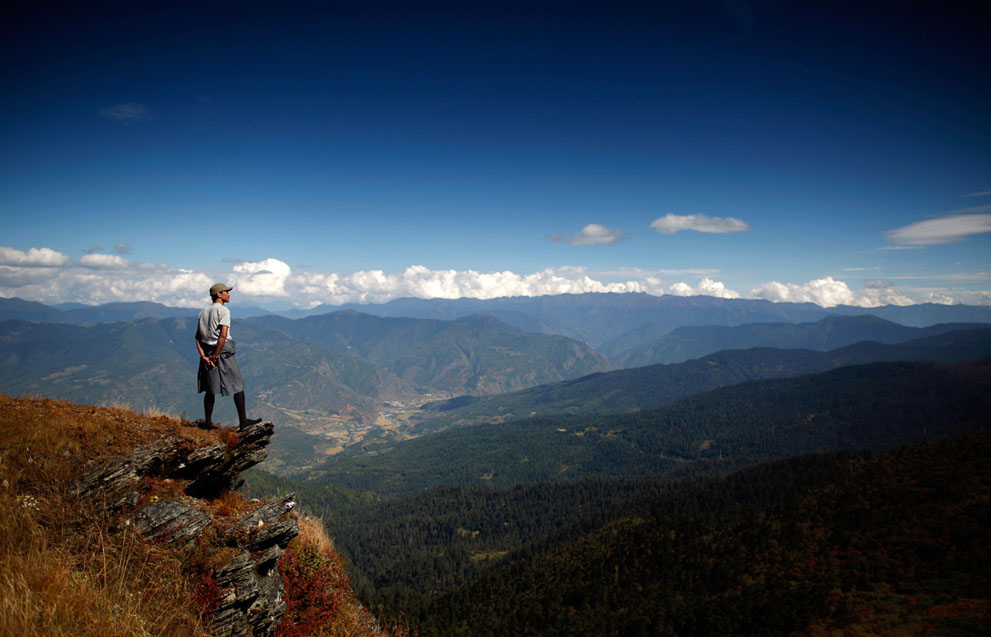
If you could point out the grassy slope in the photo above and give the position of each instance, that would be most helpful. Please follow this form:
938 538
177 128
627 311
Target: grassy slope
69 566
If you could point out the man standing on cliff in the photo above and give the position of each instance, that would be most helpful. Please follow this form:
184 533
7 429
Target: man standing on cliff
219 373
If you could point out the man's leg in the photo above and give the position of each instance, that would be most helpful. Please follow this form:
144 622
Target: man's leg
208 401
242 412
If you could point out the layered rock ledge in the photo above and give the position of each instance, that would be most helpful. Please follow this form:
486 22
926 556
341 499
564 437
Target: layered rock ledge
168 490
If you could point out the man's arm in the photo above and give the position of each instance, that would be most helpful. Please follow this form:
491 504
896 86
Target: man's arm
220 343
199 348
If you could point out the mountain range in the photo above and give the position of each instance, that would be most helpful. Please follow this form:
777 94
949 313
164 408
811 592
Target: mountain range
469 355
688 342
151 363
665 499
592 524
875 405
597 319
653 386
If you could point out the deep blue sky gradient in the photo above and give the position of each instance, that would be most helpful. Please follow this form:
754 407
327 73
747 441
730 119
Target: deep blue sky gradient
362 136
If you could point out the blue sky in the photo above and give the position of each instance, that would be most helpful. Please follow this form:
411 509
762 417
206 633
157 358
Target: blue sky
832 153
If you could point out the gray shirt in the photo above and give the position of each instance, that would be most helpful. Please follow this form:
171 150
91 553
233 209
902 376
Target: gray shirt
211 318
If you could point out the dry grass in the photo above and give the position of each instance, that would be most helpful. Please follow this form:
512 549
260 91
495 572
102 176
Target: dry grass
67 567
59 439
63 572
312 533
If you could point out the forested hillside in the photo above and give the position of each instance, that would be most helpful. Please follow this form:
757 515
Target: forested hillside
836 541
876 405
896 544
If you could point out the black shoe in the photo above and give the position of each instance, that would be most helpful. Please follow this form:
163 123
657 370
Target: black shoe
202 424
249 422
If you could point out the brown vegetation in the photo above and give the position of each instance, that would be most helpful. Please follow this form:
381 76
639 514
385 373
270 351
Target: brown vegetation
65 569
70 565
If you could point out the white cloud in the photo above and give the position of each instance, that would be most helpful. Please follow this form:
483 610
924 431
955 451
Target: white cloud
590 235
980 297
136 282
706 287
122 248
42 274
262 278
33 258
375 286
126 112
14 279
103 261
102 278
829 292
948 229
670 224
641 273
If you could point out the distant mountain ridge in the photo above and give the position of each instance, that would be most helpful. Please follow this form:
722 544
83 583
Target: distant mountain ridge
81 314
470 355
152 364
598 318
329 365
612 321
688 342
653 386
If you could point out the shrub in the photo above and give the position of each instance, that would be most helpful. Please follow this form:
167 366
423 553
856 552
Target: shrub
317 586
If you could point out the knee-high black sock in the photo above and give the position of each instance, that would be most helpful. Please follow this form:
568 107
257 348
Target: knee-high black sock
208 401
242 412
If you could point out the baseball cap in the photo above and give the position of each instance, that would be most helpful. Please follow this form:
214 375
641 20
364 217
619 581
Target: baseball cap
217 288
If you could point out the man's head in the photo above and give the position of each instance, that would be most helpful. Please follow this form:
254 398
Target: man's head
217 288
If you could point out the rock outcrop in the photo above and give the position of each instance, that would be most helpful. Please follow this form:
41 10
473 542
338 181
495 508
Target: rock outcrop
235 552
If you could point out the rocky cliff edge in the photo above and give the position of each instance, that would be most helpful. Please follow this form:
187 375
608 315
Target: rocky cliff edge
168 489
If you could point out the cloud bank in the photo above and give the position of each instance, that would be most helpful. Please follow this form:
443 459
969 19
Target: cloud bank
33 258
48 276
670 224
829 292
375 286
52 277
